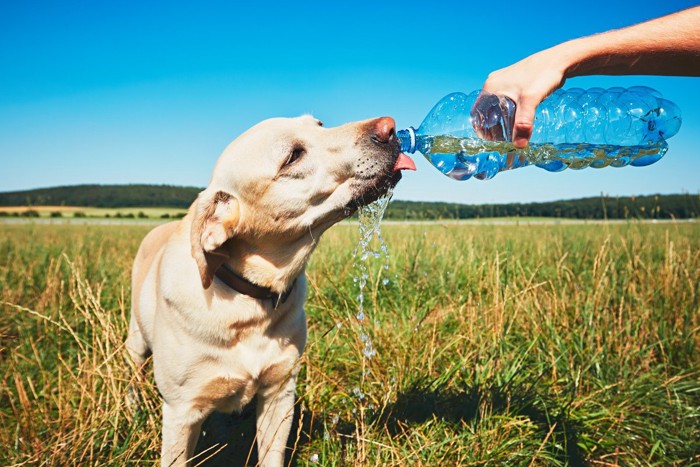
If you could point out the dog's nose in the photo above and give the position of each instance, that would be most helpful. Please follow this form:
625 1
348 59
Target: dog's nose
384 130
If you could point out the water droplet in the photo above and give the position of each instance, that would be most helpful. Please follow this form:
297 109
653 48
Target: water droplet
358 393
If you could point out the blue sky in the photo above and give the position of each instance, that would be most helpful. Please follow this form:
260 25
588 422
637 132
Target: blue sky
151 92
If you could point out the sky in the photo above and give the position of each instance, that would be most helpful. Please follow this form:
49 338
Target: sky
152 92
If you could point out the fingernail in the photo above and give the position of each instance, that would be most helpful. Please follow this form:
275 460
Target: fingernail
520 143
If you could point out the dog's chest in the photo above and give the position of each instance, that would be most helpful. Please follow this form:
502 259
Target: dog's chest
232 377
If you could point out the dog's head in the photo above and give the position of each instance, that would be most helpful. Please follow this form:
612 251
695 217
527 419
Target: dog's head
281 184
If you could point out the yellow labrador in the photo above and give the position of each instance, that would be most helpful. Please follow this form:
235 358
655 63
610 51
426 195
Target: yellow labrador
218 297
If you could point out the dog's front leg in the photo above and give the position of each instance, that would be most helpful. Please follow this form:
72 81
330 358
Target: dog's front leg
179 436
275 411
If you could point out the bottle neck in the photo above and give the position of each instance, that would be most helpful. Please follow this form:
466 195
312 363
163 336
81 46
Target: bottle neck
407 138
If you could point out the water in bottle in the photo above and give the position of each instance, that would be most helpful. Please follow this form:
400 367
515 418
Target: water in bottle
467 136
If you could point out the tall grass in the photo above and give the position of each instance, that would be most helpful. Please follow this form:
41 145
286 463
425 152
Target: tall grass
496 345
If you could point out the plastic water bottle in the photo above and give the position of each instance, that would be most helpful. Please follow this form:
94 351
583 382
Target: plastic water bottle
573 128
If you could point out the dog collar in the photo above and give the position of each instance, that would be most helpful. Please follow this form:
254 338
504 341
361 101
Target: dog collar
242 285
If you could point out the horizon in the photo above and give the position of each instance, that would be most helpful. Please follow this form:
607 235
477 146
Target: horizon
151 94
600 195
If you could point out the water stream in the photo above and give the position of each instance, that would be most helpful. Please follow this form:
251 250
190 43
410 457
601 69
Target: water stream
371 246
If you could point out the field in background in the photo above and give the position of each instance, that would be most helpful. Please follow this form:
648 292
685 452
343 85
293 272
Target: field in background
656 206
81 212
495 345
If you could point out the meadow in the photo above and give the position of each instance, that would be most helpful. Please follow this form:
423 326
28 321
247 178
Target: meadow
493 345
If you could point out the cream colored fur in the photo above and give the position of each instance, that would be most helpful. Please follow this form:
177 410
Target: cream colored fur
262 214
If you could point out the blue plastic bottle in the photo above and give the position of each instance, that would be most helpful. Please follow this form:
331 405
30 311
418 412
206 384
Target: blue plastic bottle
573 128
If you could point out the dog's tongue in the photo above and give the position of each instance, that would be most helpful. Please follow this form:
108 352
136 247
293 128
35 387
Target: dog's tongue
404 163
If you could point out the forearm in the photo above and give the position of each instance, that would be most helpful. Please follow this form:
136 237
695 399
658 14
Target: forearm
669 45
664 46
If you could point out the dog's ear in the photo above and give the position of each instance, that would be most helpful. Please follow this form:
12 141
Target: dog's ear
215 221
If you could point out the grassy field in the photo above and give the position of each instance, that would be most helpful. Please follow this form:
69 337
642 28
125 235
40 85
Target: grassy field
495 345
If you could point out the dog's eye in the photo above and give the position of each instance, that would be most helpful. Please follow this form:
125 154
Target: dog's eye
294 156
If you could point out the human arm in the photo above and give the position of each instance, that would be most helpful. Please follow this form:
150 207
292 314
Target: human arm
669 46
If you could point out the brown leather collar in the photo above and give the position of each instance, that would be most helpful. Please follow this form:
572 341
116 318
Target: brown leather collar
244 286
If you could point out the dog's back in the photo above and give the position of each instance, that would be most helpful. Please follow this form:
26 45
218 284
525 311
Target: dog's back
138 343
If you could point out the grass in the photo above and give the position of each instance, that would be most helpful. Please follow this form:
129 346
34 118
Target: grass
495 345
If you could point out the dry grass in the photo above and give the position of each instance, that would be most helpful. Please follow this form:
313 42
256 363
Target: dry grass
496 345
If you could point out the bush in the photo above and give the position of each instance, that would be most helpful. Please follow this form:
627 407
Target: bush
165 216
4 214
30 213
79 214
142 215
56 214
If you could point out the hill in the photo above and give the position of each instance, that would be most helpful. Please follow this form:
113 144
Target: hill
683 206
104 196
679 206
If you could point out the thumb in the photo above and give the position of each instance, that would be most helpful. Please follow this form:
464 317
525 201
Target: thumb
524 121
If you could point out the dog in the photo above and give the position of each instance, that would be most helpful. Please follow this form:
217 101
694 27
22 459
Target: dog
217 297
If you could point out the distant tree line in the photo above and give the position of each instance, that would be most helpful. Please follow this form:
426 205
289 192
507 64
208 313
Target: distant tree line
683 206
79 214
104 196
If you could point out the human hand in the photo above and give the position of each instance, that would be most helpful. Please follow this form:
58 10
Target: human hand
526 83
